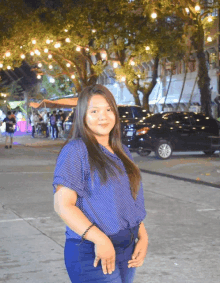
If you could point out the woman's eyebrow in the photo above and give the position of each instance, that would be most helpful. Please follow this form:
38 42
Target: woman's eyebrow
98 107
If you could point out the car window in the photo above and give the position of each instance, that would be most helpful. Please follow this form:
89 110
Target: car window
125 112
137 112
182 119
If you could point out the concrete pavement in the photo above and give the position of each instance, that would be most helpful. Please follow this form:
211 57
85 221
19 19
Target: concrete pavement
182 221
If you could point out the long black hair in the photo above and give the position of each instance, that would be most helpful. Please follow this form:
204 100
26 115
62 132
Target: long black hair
97 159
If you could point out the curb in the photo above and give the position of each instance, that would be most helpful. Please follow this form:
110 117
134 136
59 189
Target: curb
203 183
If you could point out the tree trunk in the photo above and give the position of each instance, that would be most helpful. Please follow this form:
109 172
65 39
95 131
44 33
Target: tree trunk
204 84
191 96
183 86
134 91
147 91
171 75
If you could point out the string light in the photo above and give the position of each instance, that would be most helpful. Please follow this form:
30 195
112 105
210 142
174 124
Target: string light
68 65
78 48
123 79
37 52
46 50
39 65
66 30
34 41
8 54
115 65
21 47
9 67
47 41
73 76
39 77
93 30
32 53
209 19
50 67
52 80
147 48
209 39
67 39
1 65
50 56
22 56
154 15
132 63
103 55
57 45
197 8
87 49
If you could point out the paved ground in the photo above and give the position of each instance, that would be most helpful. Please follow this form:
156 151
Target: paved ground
182 221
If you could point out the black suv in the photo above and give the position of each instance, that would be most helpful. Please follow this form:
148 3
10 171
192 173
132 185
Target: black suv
166 132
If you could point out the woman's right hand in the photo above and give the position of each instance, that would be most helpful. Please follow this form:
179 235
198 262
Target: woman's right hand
104 251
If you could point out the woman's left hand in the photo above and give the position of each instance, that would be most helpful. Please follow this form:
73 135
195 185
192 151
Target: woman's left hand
139 253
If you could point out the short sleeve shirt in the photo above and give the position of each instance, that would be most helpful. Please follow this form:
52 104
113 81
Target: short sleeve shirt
9 126
110 205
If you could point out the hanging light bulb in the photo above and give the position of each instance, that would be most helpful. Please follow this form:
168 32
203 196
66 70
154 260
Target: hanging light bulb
34 41
154 15
1 65
147 48
187 10
39 77
132 63
57 45
87 49
73 76
47 41
46 50
197 8
52 80
68 65
103 55
9 67
50 56
115 64
66 30
123 79
37 52
50 67
21 47
32 53
39 65
93 30
22 56
209 39
78 48
67 39
210 19
8 54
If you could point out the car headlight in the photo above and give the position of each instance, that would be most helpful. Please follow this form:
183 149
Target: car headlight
142 131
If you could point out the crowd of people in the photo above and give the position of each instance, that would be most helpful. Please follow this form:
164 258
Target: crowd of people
48 124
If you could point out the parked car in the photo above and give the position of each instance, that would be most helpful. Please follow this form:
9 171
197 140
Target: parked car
166 132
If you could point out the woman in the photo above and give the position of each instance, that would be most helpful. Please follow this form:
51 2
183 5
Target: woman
99 195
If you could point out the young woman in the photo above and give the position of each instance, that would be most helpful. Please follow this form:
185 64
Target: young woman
99 195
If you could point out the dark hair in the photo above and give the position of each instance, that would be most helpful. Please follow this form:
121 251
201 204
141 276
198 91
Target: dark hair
97 159
9 113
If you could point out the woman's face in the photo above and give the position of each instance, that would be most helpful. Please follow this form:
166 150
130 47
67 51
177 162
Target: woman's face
99 117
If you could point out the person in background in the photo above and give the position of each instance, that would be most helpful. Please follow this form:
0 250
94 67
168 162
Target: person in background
45 123
98 193
10 128
53 123
34 121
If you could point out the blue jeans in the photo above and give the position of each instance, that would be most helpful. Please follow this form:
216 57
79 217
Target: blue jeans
79 259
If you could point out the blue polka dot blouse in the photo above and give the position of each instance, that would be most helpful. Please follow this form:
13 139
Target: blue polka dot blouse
111 205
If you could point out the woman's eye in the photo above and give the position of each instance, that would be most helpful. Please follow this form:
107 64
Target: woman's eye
93 111
109 109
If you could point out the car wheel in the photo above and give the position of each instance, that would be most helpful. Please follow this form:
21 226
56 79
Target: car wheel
163 150
209 152
143 152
